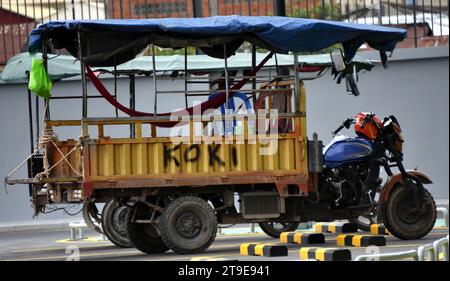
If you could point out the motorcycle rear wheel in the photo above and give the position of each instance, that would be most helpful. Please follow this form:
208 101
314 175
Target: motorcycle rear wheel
402 220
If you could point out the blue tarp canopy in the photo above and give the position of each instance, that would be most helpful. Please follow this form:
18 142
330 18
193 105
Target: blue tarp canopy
109 42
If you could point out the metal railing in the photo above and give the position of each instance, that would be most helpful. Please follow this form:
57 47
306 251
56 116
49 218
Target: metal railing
436 251
444 212
431 251
425 20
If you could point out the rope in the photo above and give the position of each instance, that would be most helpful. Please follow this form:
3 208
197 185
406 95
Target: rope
77 145
47 137
17 168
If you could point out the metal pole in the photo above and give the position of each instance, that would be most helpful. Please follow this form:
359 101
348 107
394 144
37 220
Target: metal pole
197 8
197 13
415 23
279 8
30 120
154 79
115 85
227 86
73 9
132 102
254 79
380 12
45 58
37 117
83 80
297 84
185 77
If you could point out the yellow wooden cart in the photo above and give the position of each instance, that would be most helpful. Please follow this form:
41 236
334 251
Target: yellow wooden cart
170 191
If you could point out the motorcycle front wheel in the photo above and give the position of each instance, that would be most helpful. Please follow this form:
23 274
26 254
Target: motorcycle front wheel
404 219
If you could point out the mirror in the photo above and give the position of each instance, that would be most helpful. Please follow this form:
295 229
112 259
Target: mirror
338 60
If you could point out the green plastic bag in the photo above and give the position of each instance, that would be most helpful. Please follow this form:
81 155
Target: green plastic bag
39 81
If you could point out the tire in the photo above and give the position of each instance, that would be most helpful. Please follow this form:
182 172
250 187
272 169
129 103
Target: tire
114 224
270 229
188 225
408 225
362 222
144 235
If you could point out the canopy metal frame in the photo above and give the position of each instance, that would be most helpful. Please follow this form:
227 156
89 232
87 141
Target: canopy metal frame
251 93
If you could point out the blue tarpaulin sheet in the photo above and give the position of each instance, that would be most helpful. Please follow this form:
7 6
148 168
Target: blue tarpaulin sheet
103 40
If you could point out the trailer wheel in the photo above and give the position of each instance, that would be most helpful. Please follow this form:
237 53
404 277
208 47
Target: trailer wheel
144 235
403 220
114 224
188 225
274 229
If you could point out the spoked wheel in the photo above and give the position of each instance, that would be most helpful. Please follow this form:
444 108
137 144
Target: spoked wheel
275 229
404 218
114 224
188 225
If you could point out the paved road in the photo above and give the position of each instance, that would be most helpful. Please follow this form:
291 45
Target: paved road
55 246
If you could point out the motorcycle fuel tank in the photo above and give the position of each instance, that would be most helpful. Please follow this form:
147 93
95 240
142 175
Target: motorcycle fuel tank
342 150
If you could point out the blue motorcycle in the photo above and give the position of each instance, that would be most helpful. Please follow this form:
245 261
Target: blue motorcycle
351 180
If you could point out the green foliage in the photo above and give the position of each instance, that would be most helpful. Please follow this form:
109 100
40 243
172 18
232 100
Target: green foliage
327 11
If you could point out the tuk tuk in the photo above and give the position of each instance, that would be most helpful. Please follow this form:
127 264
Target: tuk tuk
177 175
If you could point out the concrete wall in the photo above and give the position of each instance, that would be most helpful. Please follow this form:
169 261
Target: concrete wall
415 88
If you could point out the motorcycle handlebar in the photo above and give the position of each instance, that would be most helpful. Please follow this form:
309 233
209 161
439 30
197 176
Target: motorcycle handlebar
338 130
345 124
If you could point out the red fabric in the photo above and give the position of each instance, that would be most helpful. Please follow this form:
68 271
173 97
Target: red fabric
201 108
310 68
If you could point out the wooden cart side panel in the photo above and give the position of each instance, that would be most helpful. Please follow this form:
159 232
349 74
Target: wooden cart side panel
118 158
64 150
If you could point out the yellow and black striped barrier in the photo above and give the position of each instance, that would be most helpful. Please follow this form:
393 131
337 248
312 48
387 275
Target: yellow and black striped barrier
325 254
302 238
379 229
335 227
360 240
263 250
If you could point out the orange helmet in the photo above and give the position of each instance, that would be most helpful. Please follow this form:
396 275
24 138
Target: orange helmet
367 124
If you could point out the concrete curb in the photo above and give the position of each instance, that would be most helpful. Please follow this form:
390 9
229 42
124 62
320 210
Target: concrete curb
38 225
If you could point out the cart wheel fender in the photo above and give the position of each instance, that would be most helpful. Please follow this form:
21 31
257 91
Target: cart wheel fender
396 179
90 212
